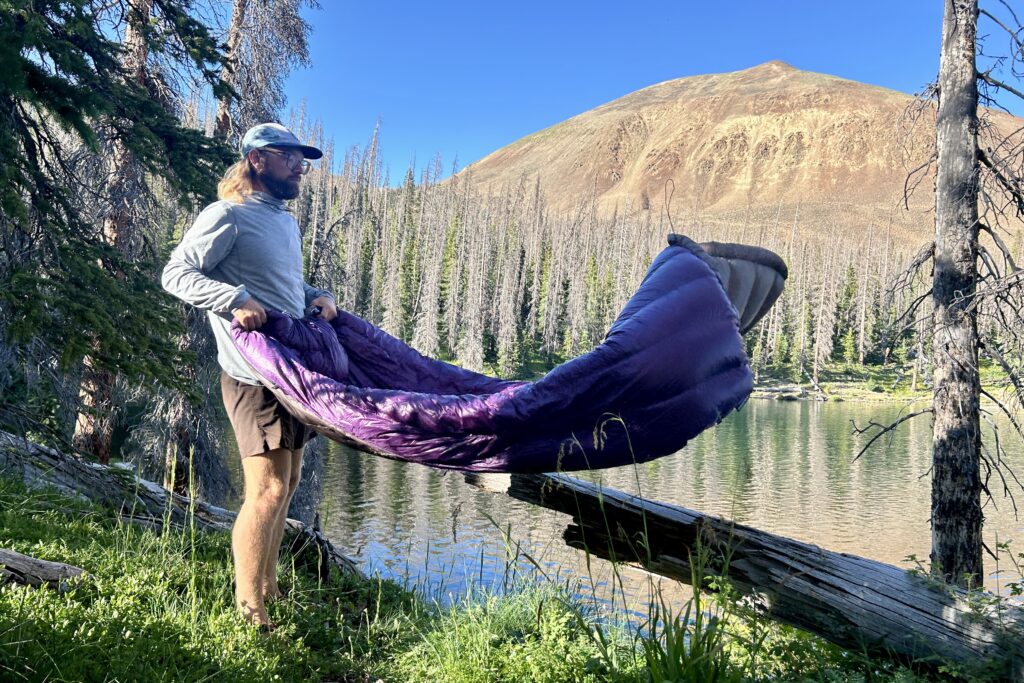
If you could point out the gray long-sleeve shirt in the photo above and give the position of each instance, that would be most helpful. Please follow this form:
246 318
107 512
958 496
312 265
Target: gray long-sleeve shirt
234 252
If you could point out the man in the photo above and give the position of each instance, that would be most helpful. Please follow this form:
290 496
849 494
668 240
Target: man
243 253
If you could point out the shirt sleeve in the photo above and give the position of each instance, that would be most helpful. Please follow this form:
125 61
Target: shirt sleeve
314 293
205 245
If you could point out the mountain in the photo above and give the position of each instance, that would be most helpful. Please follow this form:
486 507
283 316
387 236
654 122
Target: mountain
834 152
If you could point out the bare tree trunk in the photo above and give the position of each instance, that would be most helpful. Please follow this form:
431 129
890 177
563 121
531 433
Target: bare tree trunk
862 316
30 571
307 497
470 347
823 323
190 435
956 483
222 127
94 426
183 421
437 212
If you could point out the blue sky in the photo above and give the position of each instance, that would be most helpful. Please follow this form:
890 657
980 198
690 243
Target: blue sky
465 78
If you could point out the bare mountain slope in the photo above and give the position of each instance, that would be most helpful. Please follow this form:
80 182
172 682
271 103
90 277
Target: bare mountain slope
766 138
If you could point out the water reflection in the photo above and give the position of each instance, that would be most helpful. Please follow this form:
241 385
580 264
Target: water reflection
784 467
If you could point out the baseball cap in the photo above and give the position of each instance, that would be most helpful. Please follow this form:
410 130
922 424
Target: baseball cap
275 135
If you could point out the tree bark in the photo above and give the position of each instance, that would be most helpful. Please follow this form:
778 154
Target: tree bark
94 424
852 601
310 493
222 124
956 479
29 571
189 432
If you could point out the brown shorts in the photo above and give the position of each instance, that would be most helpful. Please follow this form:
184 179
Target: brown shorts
260 422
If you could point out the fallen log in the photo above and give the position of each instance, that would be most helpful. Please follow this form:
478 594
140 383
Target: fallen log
857 603
143 502
30 571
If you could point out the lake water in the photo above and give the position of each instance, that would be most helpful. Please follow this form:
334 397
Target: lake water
784 467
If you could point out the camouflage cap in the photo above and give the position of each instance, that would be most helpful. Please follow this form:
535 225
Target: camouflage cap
277 136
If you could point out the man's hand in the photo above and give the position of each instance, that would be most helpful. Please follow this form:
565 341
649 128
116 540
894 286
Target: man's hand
250 315
328 310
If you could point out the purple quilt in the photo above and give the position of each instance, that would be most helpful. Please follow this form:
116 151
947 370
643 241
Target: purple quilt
672 365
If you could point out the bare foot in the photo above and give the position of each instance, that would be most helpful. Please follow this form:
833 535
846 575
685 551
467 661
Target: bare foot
272 592
256 614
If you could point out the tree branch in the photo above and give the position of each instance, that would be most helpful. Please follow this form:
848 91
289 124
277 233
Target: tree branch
885 429
984 76
1013 34
908 188
1004 250
1003 181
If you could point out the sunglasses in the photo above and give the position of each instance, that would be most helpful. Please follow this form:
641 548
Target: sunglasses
290 160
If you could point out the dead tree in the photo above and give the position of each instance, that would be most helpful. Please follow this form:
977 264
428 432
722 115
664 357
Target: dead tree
94 424
229 75
265 40
30 571
956 444
978 192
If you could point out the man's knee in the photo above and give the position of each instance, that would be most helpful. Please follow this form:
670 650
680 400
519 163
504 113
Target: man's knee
268 480
269 495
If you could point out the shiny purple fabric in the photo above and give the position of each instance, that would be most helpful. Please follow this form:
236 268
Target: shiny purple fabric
672 365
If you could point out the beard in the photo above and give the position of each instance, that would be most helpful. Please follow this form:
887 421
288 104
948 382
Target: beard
281 189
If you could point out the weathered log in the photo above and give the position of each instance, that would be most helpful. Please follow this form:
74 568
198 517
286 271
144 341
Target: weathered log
852 601
30 571
143 502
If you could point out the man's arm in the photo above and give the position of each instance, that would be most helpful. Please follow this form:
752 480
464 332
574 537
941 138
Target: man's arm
204 246
312 293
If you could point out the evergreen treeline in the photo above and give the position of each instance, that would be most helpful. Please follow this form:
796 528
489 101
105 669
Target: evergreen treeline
494 281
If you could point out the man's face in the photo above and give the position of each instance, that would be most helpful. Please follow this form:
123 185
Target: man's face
280 171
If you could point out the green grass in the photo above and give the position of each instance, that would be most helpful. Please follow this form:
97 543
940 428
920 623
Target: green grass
157 606
529 635
892 382
851 380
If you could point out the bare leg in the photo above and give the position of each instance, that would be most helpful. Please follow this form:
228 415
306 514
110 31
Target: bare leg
271 590
266 495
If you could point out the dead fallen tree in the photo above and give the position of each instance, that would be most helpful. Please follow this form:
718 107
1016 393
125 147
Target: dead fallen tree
29 571
854 602
143 502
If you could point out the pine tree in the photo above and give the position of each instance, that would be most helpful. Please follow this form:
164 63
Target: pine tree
63 287
849 345
845 320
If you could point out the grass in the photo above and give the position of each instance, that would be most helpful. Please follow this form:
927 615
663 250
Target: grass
855 382
157 606
528 635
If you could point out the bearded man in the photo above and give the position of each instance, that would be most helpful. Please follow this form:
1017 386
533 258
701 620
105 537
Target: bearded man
242 254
